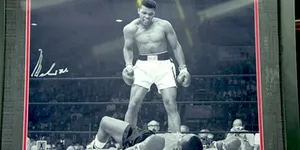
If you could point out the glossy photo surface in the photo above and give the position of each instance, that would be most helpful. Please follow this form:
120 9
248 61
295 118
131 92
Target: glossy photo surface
77 50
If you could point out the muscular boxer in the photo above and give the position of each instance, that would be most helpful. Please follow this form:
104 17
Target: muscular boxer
154 65
133 138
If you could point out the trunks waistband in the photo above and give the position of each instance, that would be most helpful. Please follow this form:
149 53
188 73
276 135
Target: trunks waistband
162 56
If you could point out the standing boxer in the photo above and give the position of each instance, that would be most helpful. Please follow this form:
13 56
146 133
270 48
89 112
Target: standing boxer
154 65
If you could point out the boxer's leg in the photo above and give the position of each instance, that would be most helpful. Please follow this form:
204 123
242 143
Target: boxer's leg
111 127
139 89
137 96
166 84
169 99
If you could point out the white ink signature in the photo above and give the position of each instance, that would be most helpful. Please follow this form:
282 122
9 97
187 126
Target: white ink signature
38 67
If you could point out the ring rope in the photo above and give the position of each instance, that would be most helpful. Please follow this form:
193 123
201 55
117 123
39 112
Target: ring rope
118 77
158 102
95 132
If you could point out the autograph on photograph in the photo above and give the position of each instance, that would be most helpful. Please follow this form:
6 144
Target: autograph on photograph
38 67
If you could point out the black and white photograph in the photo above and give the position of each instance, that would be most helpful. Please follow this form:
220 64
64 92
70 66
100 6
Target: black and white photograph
144 75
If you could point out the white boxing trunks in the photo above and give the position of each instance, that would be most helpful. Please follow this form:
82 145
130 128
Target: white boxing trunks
151 70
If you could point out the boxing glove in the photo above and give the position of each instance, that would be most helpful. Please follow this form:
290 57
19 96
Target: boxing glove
128 75
184 77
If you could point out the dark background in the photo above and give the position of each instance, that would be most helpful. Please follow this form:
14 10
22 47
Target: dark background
84 37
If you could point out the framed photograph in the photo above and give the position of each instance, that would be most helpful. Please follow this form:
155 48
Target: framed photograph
145 74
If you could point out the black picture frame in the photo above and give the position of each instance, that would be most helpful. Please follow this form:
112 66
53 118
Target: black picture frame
2 41
13 88
289 73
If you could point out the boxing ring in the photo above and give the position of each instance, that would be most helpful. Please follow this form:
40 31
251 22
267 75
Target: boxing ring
91 129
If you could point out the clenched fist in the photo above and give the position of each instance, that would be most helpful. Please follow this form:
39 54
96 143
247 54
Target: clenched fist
184 77
128 74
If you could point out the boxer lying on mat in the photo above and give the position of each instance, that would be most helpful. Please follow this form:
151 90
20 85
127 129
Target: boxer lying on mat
133 138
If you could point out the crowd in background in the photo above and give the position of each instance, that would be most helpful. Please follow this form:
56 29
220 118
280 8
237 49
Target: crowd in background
80 122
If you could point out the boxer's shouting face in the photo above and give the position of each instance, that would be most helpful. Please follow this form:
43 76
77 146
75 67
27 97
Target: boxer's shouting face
146 15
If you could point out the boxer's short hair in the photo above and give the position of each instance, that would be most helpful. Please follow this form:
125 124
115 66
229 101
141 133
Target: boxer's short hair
193 143
149 4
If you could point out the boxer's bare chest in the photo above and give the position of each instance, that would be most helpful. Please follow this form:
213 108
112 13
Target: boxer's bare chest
151 40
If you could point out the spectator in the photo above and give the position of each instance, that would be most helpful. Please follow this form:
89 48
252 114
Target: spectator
153 126
65 141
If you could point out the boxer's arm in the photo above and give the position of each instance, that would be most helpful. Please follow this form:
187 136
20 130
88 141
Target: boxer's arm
174 43
128 32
